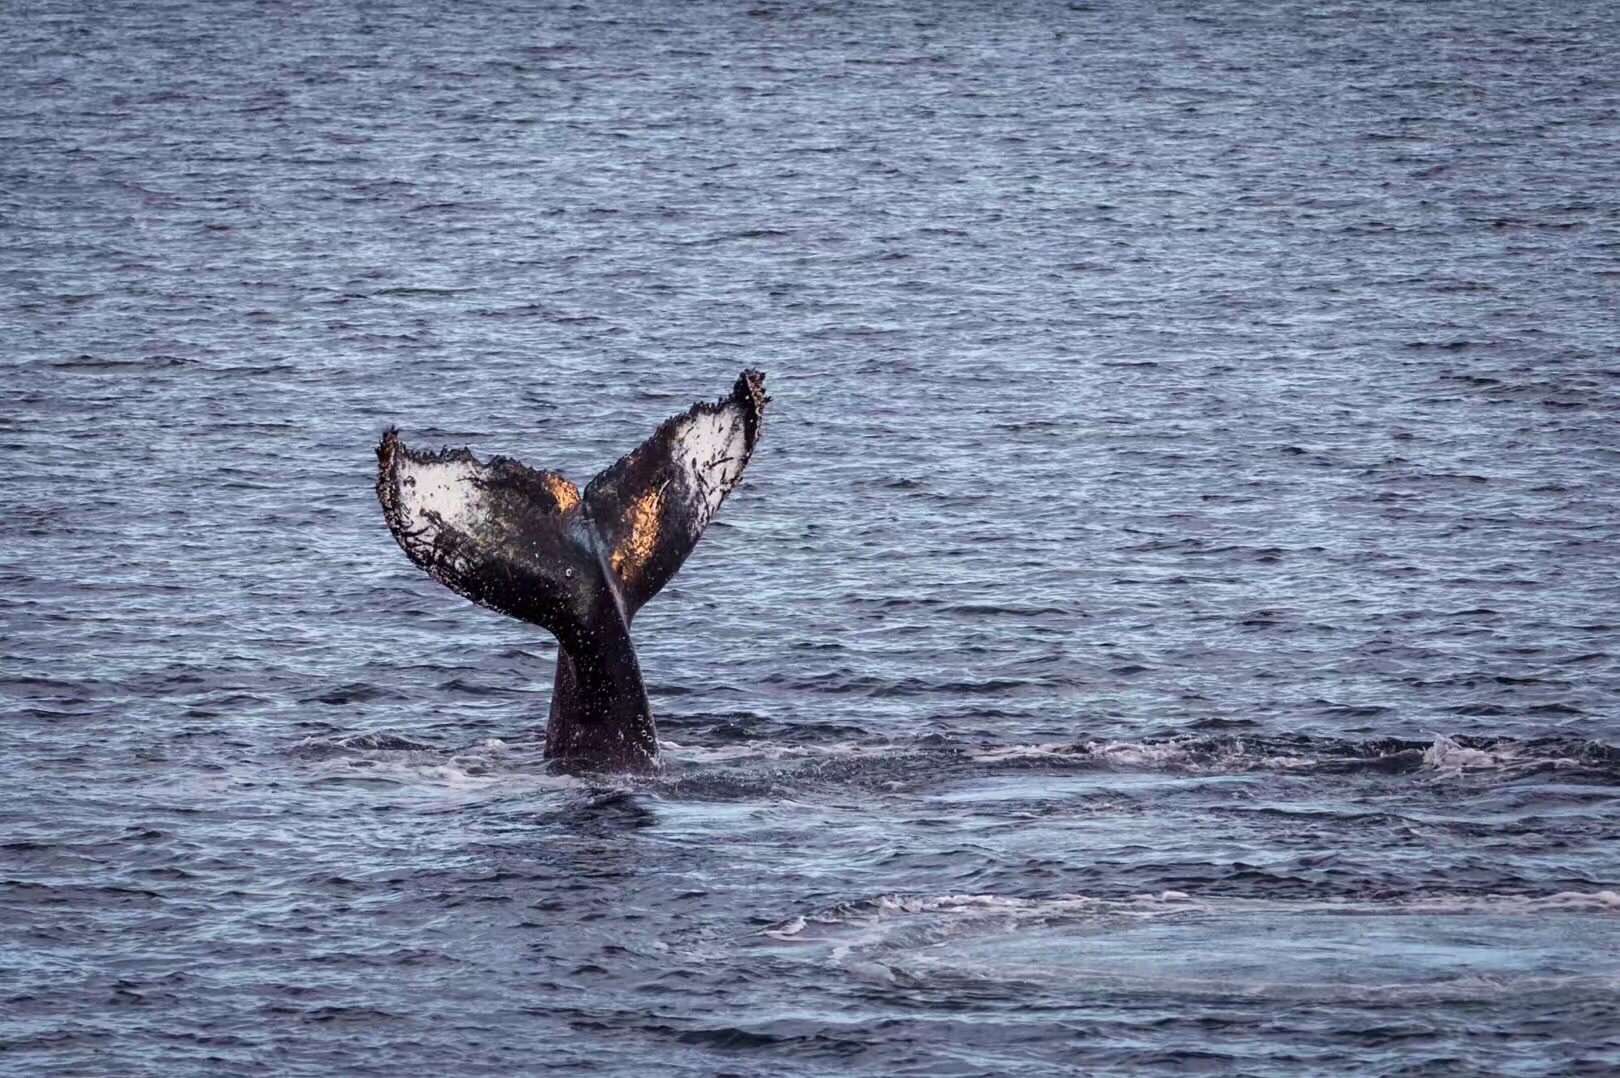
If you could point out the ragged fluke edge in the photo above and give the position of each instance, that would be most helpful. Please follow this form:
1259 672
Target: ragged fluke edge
528 544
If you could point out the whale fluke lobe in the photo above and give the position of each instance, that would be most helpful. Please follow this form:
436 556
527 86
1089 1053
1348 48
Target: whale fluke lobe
491 532
528 544
652 505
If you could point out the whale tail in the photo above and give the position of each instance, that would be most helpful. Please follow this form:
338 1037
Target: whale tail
528 544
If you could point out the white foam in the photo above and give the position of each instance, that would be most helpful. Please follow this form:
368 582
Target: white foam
977 908
772 751
415 767
1502 905
888 907
1447 759
1444 757
787 929
1145 905
1180 754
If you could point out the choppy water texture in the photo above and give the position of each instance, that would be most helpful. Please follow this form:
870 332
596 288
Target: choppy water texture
1169 623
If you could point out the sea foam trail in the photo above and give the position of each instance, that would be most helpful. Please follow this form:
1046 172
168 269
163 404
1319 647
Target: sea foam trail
1445 756
891 907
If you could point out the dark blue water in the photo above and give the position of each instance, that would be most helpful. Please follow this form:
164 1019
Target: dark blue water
1170 623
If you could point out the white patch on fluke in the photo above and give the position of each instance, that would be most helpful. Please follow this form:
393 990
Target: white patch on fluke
439 494
710 451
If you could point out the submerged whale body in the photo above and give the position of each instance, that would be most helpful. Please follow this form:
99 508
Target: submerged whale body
529 544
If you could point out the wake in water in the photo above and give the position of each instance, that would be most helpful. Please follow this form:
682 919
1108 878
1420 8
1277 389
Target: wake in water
742 767
1444 755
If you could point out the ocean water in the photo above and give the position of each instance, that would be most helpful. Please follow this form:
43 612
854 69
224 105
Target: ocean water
1170 623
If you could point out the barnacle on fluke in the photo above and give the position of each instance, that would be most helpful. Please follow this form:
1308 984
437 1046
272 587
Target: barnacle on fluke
529 544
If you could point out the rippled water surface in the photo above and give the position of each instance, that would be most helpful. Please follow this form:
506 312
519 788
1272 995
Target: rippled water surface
1170 622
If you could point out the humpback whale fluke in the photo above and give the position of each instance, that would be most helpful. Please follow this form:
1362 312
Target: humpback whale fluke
529 544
